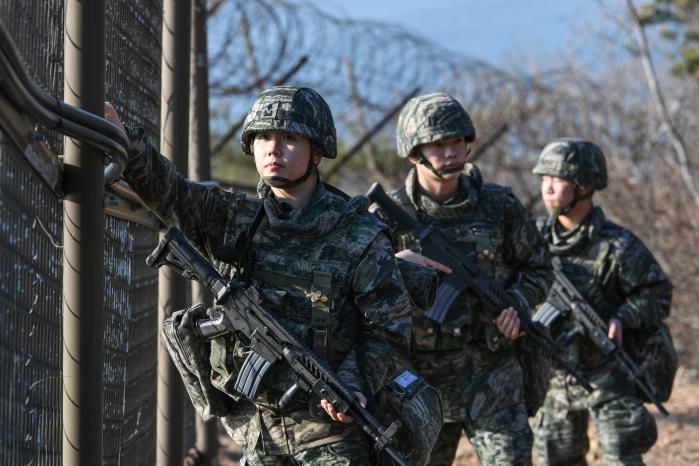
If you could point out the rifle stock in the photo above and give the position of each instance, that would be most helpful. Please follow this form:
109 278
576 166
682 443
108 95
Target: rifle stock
270 342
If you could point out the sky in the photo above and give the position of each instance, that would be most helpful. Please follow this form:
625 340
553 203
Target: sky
490 30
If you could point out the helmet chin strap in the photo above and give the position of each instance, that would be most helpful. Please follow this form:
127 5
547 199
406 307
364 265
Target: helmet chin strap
285 183
577 197
438 173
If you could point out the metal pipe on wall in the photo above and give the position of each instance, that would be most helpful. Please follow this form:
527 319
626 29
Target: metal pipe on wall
83 242
174 115
200 170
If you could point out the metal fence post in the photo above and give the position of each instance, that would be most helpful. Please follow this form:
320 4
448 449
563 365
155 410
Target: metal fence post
174 117
83 236
200 170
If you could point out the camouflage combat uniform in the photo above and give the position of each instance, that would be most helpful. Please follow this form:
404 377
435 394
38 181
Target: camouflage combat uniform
467 359
620 279
326 270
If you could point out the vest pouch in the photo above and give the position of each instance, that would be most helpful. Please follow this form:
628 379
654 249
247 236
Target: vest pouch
484 242
418 406
190 353
424 333
451 336
430 336
652 349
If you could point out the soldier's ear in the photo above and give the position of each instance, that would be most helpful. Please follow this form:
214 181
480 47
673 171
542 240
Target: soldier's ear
316 154
583 193
412 158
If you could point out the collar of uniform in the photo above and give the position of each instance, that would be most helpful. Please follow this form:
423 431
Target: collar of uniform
573 241
323 212
465 198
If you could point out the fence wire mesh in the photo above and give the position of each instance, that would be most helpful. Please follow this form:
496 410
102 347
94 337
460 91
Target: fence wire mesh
31 256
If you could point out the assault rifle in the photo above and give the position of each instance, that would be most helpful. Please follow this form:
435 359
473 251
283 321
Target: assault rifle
564 297
466 275
269 340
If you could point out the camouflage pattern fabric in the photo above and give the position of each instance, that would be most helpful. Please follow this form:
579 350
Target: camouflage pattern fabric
191 355
350 452
329 237
493 444
574 159
420 281
429 118
619 277
298 110
624 426
418 406
467 359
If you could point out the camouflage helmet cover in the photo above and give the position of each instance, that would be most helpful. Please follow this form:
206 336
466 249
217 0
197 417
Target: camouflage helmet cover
576 159
429 118
298 110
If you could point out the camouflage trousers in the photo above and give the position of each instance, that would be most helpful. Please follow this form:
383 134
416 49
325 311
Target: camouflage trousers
624 426
503 438
350 452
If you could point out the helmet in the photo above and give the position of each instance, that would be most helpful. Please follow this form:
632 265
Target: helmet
429 118
575 159
298 110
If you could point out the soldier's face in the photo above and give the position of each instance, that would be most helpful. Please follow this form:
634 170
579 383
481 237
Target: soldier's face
557 192
280 153
443 155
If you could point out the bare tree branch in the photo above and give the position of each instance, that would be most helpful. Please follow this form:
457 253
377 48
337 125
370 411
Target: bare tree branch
678 144
250 50
370 134
370 153
213 7
233 129
485 145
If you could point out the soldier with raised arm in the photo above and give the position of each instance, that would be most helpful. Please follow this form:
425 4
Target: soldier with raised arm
322 263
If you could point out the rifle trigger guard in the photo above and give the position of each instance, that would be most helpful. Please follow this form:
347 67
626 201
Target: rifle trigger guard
314 408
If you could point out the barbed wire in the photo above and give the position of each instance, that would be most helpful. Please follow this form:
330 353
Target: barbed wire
365 67
253 42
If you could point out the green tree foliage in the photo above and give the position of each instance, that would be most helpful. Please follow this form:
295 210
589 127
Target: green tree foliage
679 20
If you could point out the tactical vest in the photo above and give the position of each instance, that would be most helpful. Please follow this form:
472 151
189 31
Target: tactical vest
306 281
591 269
477 235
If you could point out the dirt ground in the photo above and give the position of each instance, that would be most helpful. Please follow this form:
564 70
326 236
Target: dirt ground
677 434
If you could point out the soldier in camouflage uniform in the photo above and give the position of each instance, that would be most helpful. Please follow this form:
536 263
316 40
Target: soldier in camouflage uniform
470 357
622 281
323 264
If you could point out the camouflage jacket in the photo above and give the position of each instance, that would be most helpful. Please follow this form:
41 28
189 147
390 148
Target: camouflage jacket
615 273
332 246
490 226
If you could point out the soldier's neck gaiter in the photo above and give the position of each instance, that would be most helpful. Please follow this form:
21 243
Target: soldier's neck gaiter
323 212
465 198
567 242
